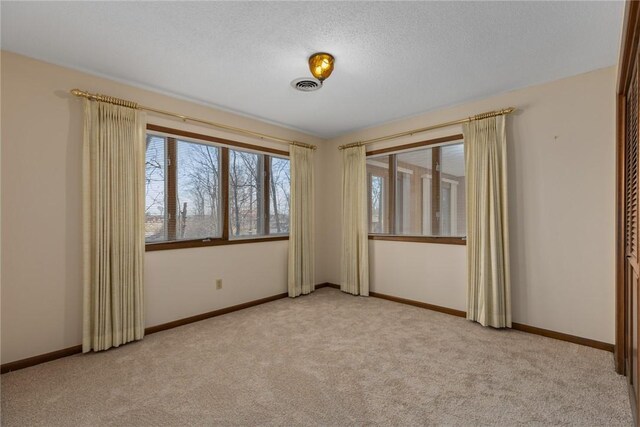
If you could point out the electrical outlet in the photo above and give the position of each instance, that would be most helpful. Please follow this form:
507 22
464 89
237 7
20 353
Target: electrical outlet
218 283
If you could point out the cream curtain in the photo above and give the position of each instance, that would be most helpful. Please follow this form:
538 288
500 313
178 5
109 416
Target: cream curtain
355 239
489 288
301 245
113 213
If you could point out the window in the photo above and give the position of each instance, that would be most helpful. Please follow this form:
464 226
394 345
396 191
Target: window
280 188
378 185
155 226
182 190
246 193
188 182
198 191
418 192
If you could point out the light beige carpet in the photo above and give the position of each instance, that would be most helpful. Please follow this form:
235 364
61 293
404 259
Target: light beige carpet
325 359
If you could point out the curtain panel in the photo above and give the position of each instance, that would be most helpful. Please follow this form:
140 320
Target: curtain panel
489 287
113 229
301 222
355 238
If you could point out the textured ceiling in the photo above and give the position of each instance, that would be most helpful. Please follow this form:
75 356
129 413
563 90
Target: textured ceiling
392 59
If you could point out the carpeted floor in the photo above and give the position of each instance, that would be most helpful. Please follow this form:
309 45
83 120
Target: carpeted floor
325 359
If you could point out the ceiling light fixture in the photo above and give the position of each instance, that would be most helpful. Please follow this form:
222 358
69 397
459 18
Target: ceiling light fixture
321 65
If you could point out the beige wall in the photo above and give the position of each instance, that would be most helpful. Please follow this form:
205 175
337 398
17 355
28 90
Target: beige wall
41 216
561 163
561 204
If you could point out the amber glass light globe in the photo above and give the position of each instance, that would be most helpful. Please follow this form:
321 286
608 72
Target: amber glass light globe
321 65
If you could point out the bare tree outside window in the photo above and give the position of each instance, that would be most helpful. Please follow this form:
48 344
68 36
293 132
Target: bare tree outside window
377 209
245 193
279 202
377 184
186 201
198 191
155 219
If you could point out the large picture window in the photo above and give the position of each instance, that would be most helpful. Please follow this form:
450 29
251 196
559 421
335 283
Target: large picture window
194 188
418 191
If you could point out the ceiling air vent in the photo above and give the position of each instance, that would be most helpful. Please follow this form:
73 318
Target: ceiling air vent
306 84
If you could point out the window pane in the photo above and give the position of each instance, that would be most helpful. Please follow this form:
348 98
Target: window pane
453 202
197 191
155 226
245 193
378 189
430 197
413 192
280 184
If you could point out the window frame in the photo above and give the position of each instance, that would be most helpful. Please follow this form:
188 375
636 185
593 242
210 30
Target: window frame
224 145
391 199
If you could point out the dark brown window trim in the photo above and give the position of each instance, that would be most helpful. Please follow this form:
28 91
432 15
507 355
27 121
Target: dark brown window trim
421 239
201 243
435 188
216 140
225 239
224 202
266 185
172 208
391 207
415 145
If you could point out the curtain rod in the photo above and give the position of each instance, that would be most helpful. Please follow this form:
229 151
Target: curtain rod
135 105
438 126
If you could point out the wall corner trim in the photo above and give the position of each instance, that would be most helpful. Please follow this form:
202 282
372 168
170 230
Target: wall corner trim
70 351
516 326
48 357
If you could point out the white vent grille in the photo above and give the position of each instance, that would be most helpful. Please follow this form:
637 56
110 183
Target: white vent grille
306 84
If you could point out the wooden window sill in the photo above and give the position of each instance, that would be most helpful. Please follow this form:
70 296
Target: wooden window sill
421 239
200 243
